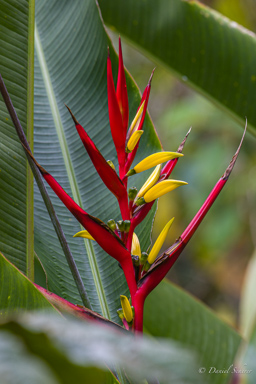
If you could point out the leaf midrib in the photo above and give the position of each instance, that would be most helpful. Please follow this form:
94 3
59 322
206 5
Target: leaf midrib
70 171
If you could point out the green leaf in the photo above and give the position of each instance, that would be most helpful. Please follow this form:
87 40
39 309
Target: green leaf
248 364
207 51
247 304
17 293
69 348
172 313
16 181
40 361
18 365
70 67
248 323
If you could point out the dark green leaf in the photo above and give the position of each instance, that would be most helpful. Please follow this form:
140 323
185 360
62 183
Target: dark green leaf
19 366
71 347
16 182
17 293
172 313
207 51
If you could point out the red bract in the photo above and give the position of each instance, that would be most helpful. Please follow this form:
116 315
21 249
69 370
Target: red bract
105 171
115 117
121 91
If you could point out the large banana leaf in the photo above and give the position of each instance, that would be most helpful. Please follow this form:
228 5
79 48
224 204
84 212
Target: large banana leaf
70 67
172 313
207 51
16 182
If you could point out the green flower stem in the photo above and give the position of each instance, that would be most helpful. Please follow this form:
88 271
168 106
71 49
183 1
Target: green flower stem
46 198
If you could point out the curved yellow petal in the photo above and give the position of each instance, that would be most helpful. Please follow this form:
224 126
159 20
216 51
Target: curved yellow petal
152 161
136 121
159 242
136 251
161 189
153 178
133 140
127 309
84 234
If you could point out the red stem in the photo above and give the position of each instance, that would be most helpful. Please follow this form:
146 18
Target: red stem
128 270
138 302
124 207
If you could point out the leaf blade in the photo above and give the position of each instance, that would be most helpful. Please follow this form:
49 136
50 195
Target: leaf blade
16 185
208 52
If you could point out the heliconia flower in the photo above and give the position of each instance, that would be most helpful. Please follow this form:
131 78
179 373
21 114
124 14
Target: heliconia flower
136 251
127 309
153 160
132 142
136 121
121 91
159 190
85 234
159 242
153 178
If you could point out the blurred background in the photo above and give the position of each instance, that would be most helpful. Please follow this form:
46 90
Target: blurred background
213 265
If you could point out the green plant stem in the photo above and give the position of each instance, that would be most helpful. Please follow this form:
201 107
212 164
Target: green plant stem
46 198
30 137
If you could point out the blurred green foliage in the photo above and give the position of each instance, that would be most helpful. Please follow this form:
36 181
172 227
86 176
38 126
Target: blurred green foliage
213 265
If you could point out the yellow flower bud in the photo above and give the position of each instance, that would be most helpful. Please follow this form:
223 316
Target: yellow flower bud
153 160
133 140
153 178
84 234
112 165
136 121
136 251
127 309
161 189
159 242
